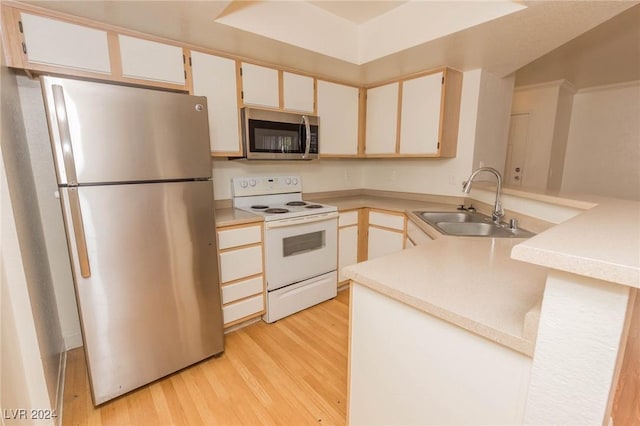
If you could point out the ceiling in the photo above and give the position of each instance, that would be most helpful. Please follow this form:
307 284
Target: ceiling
360 31
357 12
501 45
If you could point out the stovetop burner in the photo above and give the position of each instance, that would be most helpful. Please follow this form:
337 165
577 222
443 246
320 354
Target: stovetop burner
275 198
277 211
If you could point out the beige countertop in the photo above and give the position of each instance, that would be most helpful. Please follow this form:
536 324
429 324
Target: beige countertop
602 243
230 216
475 283
469 282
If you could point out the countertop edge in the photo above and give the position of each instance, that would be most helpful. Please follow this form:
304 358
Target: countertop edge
521 345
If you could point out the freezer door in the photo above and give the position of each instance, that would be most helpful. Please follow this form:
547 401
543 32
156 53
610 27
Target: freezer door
107 133
149 296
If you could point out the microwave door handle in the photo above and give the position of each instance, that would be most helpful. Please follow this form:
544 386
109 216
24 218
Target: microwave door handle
307 129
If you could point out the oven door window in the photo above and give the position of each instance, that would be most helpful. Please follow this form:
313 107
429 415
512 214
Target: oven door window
268 136
304 243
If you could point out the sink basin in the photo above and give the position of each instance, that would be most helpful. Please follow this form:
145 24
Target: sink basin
437 217
470 224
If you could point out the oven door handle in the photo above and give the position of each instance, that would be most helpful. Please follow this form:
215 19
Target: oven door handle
303 220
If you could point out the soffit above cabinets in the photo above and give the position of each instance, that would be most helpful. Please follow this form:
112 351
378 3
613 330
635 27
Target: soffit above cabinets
500 45
360 31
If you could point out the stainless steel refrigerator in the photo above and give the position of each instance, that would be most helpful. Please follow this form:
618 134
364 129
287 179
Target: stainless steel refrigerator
134 176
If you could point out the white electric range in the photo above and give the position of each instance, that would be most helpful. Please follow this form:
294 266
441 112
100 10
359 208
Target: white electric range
300 242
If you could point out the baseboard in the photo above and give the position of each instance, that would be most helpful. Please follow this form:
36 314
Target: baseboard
72 341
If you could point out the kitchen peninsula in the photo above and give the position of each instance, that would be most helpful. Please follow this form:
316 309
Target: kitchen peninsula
534 358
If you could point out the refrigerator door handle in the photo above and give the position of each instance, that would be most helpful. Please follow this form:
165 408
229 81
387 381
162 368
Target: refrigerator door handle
65 135
78 230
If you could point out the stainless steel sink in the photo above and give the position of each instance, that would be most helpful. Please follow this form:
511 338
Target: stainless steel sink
462 216
470 224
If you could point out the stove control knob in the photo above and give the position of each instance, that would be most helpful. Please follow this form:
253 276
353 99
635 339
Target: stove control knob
295 181
288 181
243 184
252 182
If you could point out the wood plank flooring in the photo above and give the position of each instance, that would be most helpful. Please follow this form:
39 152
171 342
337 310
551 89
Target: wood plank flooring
626 405
292 372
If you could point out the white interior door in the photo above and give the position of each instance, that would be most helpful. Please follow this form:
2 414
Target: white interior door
517 149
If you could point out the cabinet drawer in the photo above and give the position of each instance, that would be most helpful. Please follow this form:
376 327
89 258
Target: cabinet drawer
387 220
236 237
348 218
242 289
242 309
240 263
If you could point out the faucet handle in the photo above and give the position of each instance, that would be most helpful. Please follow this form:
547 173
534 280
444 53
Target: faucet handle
513 224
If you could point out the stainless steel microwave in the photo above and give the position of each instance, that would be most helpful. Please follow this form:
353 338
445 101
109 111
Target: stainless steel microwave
278 135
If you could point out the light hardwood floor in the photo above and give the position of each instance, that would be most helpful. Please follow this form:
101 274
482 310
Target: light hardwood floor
626 405
292 372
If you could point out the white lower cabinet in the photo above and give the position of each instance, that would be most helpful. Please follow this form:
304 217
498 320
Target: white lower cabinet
240 254
421 370
416 236
386 233
347 241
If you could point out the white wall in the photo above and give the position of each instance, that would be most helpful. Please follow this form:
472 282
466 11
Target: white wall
492 128
317 176
31 346
37 137
603 148
541 103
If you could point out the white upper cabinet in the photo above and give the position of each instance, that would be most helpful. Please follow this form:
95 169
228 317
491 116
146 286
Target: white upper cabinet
428 116
215 78
382 119
150 60
52 42
420 119
260 86
338 112
298 92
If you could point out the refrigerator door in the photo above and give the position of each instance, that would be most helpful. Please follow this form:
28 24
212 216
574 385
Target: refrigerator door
148 296
108 133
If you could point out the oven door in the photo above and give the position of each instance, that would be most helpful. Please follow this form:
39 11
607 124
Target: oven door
300 248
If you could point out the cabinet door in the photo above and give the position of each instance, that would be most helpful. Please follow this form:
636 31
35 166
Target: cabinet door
149 60
215 78
420 116
298 92
382 242
260 86
347 249
57 43
338 112
417 236
382 119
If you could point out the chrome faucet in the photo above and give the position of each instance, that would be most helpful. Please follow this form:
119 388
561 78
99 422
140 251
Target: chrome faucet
498 213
